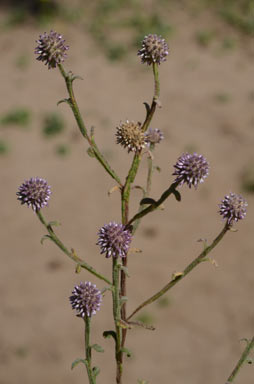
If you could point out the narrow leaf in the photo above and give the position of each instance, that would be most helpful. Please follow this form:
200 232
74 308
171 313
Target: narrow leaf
78 268
147 200
127 351
77 361
177 195
97 348
108 334
45 237
63 101
90 152
96 371
54 223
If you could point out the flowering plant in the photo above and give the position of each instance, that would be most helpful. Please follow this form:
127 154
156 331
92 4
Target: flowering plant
114 239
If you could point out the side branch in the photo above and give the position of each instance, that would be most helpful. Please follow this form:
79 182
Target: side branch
155 204
177 277
69 78
243 358
71 254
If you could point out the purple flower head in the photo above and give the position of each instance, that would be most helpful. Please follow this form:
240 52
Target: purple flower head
35 193
51 49
153 136
233 208
86 299
154 49
191 169
114 240
130 135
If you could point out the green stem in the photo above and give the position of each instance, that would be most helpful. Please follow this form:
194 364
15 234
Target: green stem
243 358
69 78
88 351
155 98
71 254
147 190
155 204
117 317
177 277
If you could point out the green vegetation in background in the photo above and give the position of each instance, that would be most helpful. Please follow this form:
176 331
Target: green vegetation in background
247 179
17 116
53 124
63 150
4 147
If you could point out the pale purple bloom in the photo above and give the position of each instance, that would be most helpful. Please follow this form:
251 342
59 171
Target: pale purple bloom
191 169
154 49
114 240
35 193
86 299
51 49
233 208
153 136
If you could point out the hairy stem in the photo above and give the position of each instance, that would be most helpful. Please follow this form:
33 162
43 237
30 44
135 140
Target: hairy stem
243 358
155 100
117 317
70 253
88 351
179 276
69 78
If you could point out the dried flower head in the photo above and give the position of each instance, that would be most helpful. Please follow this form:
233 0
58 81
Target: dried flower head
233 208
86 299
130 135
35 193
153 136
154 49
51 49
191 169
114 240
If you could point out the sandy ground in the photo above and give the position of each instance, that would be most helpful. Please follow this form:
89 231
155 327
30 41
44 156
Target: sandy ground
197 336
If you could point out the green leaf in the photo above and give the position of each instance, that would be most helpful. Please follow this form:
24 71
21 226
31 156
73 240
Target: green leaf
78 268
97 348
45 237
54 223
96 371
127 351
108 334
147 200
177 195
90 152
77 361
64 101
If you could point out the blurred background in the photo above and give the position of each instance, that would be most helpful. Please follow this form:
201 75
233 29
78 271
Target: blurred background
207 95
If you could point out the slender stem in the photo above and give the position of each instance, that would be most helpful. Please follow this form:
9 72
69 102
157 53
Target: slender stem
147 190
117 316
69 78
88 351
243 358
71 254
155 98
155 204
179 276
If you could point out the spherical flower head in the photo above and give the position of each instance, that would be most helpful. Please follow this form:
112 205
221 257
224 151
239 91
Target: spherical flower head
154 49
35 193
130 135
191 169
233 208
86 299
153 136
114 240
51 49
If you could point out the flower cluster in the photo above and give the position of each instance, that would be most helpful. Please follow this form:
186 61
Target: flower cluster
114 240
233 208
86 299
153 136
191 169
35 193
51 49
154 49
130 135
